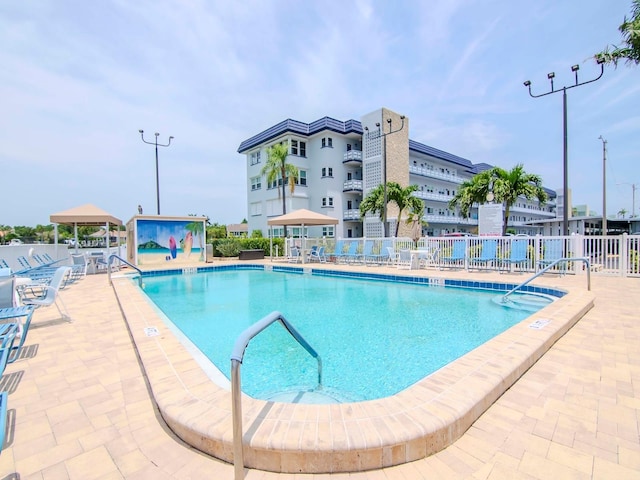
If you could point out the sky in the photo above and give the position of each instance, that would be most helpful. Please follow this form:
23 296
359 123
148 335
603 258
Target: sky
79 79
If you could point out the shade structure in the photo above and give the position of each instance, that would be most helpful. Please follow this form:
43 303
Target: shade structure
84 215
303 217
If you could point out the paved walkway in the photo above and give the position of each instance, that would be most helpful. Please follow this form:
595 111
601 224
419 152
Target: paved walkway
80 408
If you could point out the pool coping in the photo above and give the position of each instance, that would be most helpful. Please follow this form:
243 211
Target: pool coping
417 422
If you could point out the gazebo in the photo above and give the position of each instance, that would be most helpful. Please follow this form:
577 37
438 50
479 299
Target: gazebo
302 217
85 215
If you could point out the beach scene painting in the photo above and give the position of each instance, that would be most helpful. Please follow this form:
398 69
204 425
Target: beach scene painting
163 240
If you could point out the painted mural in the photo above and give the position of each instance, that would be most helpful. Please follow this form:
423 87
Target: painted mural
164 240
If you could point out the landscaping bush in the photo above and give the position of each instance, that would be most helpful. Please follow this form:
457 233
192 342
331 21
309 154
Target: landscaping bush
225 247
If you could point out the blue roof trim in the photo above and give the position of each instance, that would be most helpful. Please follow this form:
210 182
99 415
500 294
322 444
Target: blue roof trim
434 152
301 128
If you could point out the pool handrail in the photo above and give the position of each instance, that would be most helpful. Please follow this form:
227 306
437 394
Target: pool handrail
553 264
237 355
109 261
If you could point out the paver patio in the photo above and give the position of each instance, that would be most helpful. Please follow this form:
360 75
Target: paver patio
80 406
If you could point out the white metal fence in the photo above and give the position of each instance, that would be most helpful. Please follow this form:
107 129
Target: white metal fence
617 255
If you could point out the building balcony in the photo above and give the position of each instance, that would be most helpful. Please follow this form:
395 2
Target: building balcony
533 211
449 219
352 157
352 186
436 197
352 215
424 172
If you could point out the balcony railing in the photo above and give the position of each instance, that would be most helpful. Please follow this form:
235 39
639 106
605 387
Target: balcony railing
532 211
449 219
352 185
437 197
353 215
434 174
353 156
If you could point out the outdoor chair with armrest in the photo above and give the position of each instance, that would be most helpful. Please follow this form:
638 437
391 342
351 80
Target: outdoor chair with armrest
50 293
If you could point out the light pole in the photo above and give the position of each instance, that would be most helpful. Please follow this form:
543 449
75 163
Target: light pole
157 174
384 168
633 197
604 185
551 76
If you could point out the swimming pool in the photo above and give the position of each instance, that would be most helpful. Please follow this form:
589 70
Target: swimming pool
375 337
292 437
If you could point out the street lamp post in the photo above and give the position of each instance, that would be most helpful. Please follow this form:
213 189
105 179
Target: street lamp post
385 225
633 197
157 174
604 185
551 76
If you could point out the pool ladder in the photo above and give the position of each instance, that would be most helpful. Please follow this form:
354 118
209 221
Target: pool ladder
236 393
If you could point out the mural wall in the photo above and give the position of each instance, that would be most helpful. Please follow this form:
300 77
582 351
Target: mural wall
165 240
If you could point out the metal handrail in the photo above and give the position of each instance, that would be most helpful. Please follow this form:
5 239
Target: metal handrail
109 261
236 393
553 264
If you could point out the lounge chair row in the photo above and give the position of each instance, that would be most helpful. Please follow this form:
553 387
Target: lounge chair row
486 254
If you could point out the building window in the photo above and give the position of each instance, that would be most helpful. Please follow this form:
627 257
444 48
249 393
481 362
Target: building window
327 142
256 183
255 158
256 209
298 148
328 231
327 172
327 202
302 178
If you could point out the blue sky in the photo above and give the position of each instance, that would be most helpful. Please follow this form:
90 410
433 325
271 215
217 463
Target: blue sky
79 79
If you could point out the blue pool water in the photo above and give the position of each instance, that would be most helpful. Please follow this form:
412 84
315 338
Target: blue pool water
375 338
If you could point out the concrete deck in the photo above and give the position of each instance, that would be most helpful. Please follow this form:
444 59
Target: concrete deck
80 405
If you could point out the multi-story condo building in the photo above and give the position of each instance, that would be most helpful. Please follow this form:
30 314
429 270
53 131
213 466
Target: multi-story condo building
339 162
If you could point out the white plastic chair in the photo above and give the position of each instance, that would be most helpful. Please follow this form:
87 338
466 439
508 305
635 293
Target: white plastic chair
48 294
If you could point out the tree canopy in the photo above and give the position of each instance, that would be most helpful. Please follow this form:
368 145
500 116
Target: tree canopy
276 168
629 51
506 186
402 197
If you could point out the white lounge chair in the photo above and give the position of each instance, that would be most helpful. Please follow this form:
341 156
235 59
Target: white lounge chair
47 295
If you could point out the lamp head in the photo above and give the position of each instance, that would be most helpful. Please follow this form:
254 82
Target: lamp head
141 131
170 138
402 117
377 124
157 134
527 83
600 59
575 68
551 75
366 129
388 120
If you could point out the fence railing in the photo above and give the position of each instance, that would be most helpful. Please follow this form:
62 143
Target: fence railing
613 255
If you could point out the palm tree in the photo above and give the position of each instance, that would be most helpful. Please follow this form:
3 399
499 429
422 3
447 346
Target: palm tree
472 191
402 197
506 187
630 49
622 212
277 168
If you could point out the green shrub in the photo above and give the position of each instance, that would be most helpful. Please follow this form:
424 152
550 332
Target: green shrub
229 248
224 247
